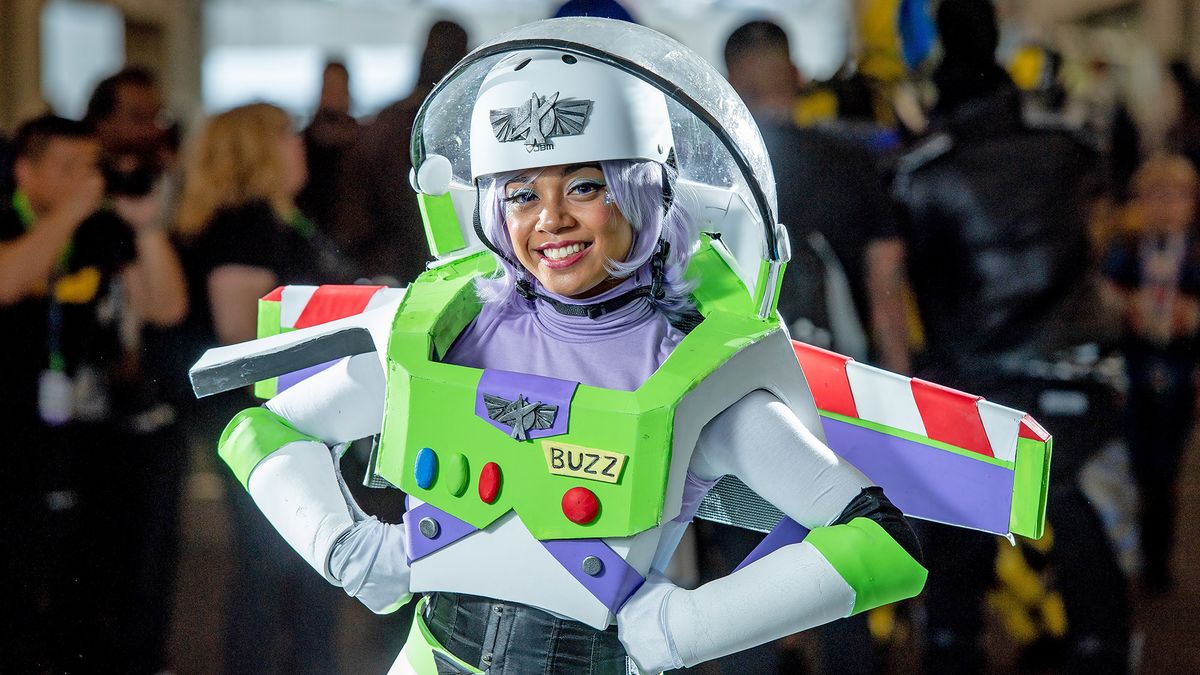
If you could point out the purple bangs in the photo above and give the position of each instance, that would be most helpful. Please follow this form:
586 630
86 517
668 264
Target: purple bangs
637 187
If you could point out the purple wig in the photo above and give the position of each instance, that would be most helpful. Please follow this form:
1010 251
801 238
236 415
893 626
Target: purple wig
637 187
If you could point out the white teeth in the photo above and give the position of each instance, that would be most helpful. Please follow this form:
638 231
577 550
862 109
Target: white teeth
563 252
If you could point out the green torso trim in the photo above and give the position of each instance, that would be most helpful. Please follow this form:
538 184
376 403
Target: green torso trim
250 436
432 405
878 569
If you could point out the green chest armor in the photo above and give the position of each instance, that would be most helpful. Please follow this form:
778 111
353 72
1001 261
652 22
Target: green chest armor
573 461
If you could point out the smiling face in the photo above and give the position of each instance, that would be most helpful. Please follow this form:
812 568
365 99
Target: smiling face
562 230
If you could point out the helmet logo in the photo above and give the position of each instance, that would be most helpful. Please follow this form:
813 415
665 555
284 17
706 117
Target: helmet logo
539 120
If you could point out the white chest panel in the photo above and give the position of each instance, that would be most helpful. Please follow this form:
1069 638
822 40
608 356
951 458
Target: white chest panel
505 562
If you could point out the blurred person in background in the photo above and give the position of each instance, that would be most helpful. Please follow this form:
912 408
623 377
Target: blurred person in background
1100 103
1037 71
1154 274
832 188
377 221
998 253
326 141
137 156
1184 135
893 40
244 236
838 216
126 110
71 273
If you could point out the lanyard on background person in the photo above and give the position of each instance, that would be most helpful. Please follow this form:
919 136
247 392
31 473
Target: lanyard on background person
1161 259
302 225
24 210
55 391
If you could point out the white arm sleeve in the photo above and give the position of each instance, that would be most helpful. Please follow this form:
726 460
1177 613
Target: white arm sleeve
759 440
296 488
794 588
299 487
341 403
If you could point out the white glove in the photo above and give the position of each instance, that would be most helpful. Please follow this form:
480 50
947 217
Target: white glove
642 626
369 562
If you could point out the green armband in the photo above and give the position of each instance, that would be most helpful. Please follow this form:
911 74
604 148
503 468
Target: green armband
250 436
878 569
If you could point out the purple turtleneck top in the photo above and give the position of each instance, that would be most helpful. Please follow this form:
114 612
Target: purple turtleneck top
618 350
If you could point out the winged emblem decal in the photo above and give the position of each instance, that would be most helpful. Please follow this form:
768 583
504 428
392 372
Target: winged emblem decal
539 120
520 414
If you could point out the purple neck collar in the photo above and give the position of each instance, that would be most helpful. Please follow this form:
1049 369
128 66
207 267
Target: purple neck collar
582 328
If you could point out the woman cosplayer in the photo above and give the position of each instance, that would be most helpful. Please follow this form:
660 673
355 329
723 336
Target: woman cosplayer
557 407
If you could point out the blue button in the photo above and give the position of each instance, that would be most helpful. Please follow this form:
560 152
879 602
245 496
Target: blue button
426 468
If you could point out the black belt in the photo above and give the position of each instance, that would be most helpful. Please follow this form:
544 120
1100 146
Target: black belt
508 638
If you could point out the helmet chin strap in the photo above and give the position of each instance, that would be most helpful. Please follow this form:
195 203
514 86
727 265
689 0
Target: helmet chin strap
658 265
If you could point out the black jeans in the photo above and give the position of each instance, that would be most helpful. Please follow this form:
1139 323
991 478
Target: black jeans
504 638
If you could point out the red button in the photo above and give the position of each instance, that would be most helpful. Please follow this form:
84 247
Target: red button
580 505
489 482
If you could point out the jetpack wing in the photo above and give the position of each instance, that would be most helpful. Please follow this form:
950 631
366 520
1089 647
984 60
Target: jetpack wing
301 331
939 454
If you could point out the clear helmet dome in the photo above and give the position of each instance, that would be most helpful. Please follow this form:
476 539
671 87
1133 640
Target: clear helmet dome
725 176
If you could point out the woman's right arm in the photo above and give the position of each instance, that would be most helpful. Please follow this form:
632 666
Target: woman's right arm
859 554
281 454
233 293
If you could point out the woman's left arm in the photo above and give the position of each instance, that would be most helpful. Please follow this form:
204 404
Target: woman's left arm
281 454
860 552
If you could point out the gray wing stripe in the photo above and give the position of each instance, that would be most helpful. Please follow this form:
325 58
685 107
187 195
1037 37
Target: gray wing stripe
224 377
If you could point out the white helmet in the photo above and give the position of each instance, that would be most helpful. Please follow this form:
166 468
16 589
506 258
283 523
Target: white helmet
545 107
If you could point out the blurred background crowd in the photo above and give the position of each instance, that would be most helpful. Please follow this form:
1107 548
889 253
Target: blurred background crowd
995 196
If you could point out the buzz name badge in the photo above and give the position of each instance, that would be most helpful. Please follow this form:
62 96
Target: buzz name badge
580 462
